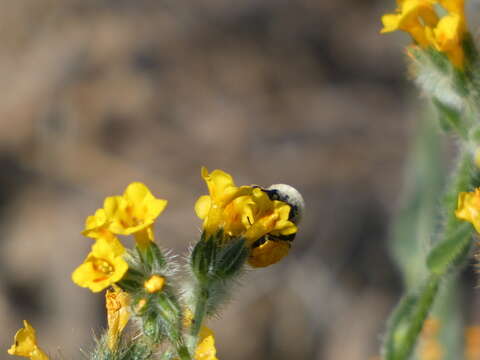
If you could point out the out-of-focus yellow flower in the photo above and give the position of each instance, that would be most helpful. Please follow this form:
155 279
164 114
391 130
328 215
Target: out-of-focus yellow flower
104 265
117 303
453 6
472 343
223 190
430 348
206 345
468 208
412 16
134 212
268 253
154 284
26 344
447 37
419 19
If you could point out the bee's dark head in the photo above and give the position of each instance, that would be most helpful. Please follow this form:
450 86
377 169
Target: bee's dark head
289 195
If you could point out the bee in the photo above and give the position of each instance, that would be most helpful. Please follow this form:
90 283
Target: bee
292 197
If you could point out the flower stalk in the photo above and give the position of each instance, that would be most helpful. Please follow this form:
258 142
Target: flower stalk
444 64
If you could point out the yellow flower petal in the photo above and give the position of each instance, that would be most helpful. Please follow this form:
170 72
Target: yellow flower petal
220 185
268 253
26 344
468 207
202 206
134 212
453 6
96 225
448 38
222 191
136 192
411 17
418 17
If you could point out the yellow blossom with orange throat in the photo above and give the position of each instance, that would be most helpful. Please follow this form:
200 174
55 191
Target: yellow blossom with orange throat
26 344
468 207
117 303
134 212
104 265
241 211
419 18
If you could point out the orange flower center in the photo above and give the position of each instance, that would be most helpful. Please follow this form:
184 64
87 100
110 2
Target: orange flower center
103 266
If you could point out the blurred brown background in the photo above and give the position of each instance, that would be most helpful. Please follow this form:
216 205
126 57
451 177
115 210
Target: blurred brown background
99 93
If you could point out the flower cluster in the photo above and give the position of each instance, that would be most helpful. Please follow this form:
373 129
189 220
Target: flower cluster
132 213
241 224
421 20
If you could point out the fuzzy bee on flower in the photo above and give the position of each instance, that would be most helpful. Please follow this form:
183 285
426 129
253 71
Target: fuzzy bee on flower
265 218
271 248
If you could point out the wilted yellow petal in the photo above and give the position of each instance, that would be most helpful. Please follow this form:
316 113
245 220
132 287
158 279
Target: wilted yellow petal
118 313
26 344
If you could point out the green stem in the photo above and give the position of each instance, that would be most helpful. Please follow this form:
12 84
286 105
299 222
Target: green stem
407 321
447 255
200 308
183 352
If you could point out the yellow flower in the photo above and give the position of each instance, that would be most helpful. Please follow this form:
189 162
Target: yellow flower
154 284
448 37
419 19
241 211
429 347
412 16
246 212
222 191
468 207
206 345
26 344
134 212
117 303
268 253
104 265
